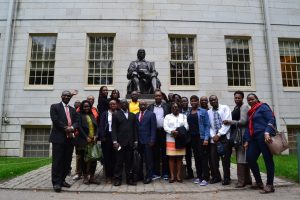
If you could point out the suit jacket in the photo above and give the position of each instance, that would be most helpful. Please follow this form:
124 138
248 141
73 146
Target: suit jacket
147 127
83 128
103 125
165 107
59 122
123 129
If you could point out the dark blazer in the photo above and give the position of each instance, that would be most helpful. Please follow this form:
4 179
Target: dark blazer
102 105
103 125
123 129
59 122
165 107
147 127
83 129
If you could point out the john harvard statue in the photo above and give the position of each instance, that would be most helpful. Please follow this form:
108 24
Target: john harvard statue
142 75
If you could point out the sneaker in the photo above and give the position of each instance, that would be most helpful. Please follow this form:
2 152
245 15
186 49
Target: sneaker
196 181
165 177
76 177
204 183
155 177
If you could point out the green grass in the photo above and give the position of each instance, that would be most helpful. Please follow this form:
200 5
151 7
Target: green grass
285 166
14 166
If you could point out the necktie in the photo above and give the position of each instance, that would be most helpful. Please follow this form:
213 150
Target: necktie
142 116
68 116
217 120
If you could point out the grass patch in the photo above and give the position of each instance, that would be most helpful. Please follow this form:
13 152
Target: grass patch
15 166
285 166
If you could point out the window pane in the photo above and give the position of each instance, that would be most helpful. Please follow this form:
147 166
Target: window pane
182 63
36 142
238 61
290 62
100 69
42 60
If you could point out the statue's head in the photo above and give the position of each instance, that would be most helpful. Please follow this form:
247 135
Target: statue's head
141 54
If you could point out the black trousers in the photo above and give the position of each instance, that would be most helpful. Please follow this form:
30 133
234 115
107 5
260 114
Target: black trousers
159 154
201 154
61 161
124 156
215 158
188 159
108 156
146 157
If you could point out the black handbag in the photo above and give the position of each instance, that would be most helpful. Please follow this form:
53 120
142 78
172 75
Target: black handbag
136 161
236 136
182 137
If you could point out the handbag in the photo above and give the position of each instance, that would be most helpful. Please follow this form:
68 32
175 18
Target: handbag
136 162
236 136
93 152
220 148
279 142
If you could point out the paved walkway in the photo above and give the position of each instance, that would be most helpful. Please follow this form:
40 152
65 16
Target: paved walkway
40 180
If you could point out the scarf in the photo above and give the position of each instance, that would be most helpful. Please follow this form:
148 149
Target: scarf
251 113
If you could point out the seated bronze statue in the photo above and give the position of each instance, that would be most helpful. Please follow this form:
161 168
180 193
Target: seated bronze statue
142 75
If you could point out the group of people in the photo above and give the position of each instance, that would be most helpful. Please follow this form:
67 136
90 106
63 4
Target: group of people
163 133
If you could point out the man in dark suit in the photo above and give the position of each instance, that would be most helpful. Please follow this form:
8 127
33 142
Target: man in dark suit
124 137
160 109
64 121
146 123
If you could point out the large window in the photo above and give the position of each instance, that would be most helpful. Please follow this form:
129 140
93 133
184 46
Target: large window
100 60
42 60
182 63
36 142
238 62
290 62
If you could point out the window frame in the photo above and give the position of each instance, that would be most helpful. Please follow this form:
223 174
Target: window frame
86 70
251 88
22 141
28 62
286 88
195 54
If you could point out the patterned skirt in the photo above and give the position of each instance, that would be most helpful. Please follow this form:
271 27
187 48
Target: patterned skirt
172 151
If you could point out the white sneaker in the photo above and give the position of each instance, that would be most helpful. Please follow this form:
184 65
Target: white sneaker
155 177
76 177
204 183
196 180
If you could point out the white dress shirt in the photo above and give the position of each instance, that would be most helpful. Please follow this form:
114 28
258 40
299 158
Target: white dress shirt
225 114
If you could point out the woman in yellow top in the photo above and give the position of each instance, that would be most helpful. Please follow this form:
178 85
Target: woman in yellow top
87 135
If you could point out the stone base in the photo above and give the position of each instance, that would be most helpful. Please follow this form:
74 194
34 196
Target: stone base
142 96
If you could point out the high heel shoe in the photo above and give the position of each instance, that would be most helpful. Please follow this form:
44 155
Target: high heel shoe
171 180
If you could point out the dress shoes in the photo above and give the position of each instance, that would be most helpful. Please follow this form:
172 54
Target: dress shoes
57 188
147 181
215 180
131 182
226 181
65 184
117 183
257 186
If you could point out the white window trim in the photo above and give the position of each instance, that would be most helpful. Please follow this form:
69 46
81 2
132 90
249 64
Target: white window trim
86 67
251 88
27 86
184 87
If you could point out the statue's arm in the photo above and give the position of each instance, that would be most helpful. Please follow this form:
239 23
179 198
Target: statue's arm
131 70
